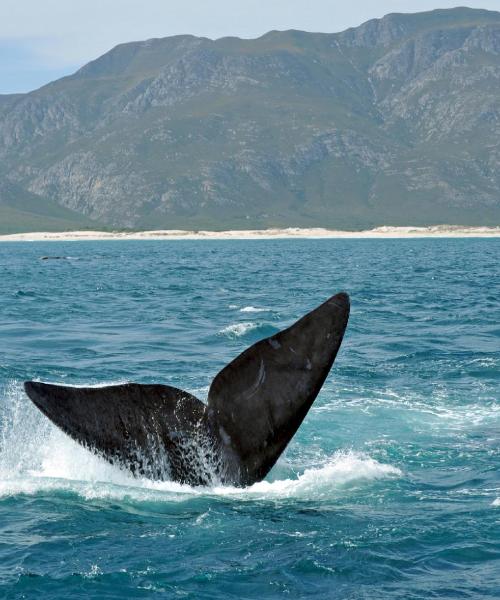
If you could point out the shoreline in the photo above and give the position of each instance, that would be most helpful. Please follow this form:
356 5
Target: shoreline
384 232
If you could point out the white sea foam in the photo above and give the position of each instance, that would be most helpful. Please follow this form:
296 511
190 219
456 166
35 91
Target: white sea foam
496 502
442 410
238 329
35 457
343 469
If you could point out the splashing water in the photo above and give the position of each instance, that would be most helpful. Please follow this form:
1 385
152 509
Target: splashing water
36 456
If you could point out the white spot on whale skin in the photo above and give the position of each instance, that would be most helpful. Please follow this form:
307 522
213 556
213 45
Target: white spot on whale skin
224 436
261 377
275 344
308 365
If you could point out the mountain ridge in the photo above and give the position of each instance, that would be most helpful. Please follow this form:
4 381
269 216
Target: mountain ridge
391 123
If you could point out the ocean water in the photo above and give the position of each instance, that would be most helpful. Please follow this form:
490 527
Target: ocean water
391 487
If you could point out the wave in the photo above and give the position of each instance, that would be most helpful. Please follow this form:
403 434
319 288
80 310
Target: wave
253 309
36 457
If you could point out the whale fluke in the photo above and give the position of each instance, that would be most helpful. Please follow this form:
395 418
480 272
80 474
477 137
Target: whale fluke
255 405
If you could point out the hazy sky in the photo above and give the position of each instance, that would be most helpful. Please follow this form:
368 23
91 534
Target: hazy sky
41 40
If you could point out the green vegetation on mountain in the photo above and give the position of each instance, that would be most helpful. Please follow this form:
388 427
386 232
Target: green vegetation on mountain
394 122
22 211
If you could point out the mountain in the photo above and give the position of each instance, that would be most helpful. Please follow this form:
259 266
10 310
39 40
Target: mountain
394 122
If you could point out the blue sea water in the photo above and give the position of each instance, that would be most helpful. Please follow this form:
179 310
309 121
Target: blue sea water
391 487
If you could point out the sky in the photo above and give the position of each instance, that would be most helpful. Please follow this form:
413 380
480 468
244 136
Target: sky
42 40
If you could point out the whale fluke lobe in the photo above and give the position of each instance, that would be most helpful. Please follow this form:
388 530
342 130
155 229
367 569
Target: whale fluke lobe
255 405
139 426
260 399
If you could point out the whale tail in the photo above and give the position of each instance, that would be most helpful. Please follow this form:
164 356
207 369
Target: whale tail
255 405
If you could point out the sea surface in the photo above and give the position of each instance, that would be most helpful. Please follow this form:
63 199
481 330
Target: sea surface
391 487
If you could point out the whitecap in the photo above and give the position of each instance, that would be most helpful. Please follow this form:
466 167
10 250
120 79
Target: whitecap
253 309
238 329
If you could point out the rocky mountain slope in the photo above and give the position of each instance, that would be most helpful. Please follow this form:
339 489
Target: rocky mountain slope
393 122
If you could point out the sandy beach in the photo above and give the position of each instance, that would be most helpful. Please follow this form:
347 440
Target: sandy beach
438 231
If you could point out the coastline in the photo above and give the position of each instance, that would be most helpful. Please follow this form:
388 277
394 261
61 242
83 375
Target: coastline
384 232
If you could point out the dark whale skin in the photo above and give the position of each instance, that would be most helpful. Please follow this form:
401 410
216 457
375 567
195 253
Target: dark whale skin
255 406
